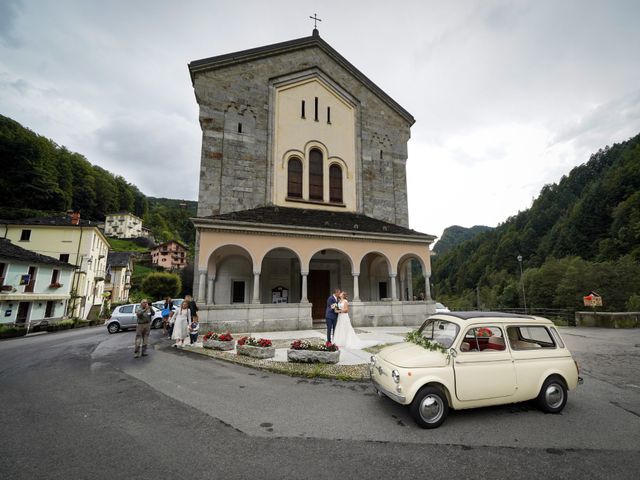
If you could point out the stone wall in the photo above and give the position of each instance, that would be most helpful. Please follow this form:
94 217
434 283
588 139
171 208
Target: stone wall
235 165
250 318
608 319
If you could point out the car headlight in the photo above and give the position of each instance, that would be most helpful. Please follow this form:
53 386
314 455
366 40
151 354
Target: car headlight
395 374
372 359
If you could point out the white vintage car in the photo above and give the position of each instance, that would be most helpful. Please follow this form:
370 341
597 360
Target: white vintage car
478 359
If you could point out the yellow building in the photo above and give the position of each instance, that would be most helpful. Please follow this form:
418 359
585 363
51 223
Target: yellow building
72 240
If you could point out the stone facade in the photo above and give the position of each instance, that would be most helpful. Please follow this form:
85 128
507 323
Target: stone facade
236 165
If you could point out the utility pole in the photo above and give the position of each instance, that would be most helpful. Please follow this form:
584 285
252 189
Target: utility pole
524 297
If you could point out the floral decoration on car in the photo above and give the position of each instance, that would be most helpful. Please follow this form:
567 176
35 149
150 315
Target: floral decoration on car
416 337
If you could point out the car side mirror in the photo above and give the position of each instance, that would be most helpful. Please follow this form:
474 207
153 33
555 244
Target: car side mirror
453 352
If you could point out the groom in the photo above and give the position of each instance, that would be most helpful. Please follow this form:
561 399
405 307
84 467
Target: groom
330 315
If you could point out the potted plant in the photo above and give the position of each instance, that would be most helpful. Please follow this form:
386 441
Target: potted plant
256 348
218 341
307 352
55 285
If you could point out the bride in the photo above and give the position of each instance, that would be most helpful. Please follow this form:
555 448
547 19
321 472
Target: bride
344 335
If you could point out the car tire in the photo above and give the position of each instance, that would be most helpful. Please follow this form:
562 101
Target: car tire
553 395
430 407
113 327
157 323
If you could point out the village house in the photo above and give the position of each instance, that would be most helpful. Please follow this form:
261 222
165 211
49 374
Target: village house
71 240
123 225
33 287
171 255
117 282
302 190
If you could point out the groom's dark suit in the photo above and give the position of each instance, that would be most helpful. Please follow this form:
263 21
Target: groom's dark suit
331 317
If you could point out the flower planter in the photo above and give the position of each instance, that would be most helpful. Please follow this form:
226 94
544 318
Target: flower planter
313 356
219 345
256 352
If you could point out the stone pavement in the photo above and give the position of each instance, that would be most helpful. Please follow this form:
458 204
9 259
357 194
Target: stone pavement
370 335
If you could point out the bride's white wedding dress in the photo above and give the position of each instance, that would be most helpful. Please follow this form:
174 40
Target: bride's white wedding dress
345 336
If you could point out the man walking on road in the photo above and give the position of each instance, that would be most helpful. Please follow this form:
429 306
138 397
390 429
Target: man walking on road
144 313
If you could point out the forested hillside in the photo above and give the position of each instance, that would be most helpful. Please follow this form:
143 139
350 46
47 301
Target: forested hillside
580 234
455 235
41 177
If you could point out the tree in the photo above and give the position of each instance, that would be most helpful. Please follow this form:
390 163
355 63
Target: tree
160 285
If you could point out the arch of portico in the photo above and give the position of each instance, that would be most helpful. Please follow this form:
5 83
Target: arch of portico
262 260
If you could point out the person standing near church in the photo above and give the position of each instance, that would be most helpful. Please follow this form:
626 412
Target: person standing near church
144 314
192 306
331 315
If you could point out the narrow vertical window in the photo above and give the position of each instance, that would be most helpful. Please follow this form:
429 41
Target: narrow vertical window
316 109
380 154
302 109
328 114
239 127
335 184
315 175
294 178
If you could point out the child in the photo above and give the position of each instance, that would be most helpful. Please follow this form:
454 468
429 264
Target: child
193 330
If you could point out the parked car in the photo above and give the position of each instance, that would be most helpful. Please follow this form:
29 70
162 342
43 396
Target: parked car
477 359
124 318
440 308
176 303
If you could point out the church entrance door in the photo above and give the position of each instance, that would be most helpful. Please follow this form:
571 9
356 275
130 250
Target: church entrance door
318 291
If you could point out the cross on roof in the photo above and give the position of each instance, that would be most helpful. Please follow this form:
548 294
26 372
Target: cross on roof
315 20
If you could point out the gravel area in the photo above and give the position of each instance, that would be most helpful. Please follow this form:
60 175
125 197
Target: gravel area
338 372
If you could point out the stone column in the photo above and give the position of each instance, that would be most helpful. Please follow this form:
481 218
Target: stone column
403 284
427 288
212 279
303 294
256 287
202 285
356 287
394 294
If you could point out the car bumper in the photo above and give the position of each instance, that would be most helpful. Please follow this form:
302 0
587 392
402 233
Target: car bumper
396 397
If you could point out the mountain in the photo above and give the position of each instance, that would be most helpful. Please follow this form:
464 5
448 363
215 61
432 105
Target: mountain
582 232
40 177
455 235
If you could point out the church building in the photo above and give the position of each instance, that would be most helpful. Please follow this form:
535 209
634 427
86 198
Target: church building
302 190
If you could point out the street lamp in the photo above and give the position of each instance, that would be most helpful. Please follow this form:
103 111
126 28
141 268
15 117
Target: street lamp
524 297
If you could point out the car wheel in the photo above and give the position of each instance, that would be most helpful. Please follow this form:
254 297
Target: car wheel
553 395
157 323
113 327
430 407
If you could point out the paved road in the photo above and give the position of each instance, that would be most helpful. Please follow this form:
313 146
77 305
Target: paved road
78 405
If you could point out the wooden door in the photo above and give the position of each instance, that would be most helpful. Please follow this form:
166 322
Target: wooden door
318 291
23 312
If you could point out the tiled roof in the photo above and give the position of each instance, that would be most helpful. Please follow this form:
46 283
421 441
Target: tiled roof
10 251
322 219
62 220
119 259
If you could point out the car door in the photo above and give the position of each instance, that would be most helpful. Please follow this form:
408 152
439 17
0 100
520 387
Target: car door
127 316
483 367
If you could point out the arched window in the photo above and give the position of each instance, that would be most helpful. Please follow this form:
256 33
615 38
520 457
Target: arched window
294 178
335 184
315 175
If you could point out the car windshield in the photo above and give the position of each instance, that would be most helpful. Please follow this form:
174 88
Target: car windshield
441 331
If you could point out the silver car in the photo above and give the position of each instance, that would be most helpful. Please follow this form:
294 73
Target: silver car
124 318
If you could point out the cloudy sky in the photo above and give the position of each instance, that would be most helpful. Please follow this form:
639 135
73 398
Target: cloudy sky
507 95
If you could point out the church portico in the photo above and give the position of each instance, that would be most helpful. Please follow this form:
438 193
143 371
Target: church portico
251 269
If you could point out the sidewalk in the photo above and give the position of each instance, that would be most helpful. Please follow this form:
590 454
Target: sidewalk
348 356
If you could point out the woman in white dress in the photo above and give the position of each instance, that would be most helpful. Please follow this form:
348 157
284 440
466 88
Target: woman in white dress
344 335
181 324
